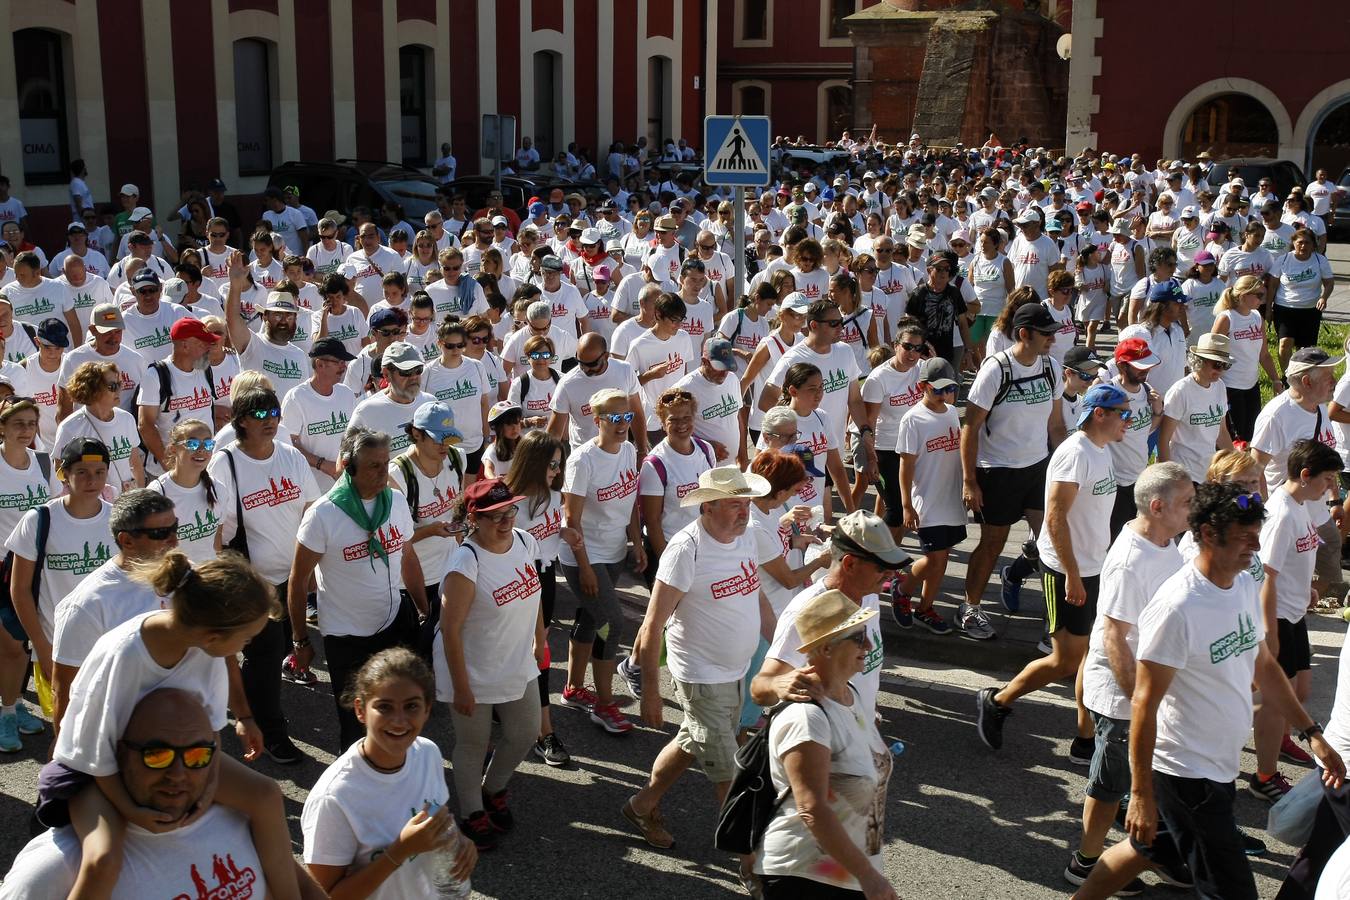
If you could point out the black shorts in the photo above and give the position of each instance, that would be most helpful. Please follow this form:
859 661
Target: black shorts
1063 614
1298 325
1295 653
940 537
1009 493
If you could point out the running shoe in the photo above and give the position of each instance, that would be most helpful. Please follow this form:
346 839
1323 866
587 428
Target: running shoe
291 671
631 674
1077 872
902 608
1011 594
1080 751
551 750
973 623
932 620
1269 789
578 698
283 752
28 723
608 717
9 734
498 813
1289 751
989 718
478 827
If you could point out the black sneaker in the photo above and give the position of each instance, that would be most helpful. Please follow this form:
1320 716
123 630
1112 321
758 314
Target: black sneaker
478 828
498 813
1077 872
283 752
1081 750
551 750
989 718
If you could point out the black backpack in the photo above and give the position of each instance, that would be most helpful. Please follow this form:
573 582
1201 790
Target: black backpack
751 800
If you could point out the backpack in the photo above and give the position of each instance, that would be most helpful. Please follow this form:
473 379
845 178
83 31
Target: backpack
404 462
9 617
751 800
1007 382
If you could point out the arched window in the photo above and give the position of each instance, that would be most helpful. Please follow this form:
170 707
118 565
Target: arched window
40 61
414 103
255 105
1230 125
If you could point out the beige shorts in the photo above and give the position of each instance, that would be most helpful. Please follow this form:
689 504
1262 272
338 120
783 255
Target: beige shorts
712 715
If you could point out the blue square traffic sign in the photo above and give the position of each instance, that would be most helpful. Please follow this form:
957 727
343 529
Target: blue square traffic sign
737 150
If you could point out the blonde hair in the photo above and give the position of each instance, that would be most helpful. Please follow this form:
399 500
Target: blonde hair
1228 464
1247 284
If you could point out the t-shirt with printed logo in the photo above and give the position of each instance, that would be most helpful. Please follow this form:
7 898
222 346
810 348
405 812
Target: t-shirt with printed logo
1080 462
273 493
609 483
75 547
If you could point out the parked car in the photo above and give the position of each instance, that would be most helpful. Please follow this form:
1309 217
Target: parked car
1284 174
344 184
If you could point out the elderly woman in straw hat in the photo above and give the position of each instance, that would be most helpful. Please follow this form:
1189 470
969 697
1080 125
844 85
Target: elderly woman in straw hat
828 761
1196 408
709 604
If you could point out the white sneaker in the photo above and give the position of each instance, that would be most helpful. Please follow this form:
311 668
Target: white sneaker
974 623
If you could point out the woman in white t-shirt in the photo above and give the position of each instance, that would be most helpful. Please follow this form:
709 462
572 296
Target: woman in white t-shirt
829 763
359 838
96 389
536 476
1237 316
506 419
197 499
493 641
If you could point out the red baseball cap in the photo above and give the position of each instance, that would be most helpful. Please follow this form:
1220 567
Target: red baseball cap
191 327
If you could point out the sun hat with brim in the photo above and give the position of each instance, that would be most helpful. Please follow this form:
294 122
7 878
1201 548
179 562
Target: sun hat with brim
1213 346
826 616
727 483
864 534
1311 358
1101 396
488 494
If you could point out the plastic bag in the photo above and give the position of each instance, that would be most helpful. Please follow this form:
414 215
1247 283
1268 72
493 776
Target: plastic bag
1291 819
46 699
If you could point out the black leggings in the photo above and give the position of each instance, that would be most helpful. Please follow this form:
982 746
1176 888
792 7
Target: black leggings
548 589
1243 406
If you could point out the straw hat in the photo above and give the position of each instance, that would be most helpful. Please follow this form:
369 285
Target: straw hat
727 483
826 616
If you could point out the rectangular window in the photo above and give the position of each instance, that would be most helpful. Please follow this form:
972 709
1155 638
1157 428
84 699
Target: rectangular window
754 20
39 64
412 101
253 106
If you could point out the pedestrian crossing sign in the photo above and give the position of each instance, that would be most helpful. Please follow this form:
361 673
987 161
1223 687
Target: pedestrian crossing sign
737 149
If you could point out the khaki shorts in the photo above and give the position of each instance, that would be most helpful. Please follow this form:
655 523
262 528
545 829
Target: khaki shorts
712 716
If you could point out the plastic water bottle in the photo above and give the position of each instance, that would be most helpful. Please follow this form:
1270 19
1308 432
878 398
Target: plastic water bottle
443 858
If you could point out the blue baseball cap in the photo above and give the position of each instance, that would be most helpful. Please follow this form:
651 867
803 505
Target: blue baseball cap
1165 291
438 420
1101 396
807 456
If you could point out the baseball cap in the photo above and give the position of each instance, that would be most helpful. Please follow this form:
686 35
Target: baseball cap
1101 396
280 301
1083 361
402 356
794 302
140 214
1137 353
717 351
191 327
129 190
331 348
937 372
1310 358
145 278
1167 290
106 317
551 263
1036 317
864 534
807 456
54 332
436 419
83 449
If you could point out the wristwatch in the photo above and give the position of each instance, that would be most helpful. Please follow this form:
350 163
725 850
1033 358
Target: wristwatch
1306 735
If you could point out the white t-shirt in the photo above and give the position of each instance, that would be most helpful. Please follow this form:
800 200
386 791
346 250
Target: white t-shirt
714 630
285 364
934 438
1211 636
718 416
646 351
682 472
198 520
381 412
354 812
1079 461
358 594
860 767
116 674
573 392
1198 411
463 389
435 503
609 482
786 640
75 548
1289 547
104 600
1133 570
120 436
1017 430
1300 280
213 856
273 492
48 299
317 422
896 393
838 369
498 633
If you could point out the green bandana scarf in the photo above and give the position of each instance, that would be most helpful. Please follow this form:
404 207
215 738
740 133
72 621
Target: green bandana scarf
344 496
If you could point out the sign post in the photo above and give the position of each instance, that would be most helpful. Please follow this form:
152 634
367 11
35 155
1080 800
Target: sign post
737 152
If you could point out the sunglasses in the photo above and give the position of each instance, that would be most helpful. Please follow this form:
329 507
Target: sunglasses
273 413
195 444
537 354
500 514
161 756
157 534
1249 501
618 418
